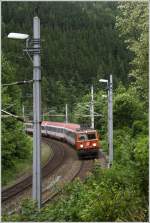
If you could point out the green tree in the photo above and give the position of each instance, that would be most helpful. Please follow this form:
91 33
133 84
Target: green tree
16 145
134 16
127 107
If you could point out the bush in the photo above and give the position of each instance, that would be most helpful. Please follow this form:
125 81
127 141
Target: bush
127 107
141 157
106 195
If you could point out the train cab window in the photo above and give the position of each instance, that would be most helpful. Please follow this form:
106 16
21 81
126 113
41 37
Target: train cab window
83 137
91 136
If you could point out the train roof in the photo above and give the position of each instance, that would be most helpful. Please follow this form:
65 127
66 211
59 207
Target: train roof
71 126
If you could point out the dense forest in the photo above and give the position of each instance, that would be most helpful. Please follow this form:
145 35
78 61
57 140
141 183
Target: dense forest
81 43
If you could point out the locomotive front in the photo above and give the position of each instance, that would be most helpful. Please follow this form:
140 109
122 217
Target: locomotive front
87 143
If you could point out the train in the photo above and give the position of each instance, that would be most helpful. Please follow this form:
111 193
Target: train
84 140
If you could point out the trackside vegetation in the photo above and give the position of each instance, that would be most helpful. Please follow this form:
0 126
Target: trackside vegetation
86 41
16 146
116 194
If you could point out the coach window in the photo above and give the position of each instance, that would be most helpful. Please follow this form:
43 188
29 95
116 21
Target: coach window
71 134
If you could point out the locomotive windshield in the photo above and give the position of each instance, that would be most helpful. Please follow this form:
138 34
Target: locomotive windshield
91 136
87 136
83 137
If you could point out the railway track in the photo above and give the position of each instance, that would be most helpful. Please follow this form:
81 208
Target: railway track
27 182
82 172
63 167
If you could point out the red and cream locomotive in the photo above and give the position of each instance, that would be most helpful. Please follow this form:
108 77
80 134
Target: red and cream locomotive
85 141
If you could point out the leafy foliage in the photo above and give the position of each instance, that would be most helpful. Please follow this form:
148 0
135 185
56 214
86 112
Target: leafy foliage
134 16
127 107
16 146
106 195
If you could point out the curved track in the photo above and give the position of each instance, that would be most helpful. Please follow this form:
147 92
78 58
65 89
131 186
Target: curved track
63 167
51 165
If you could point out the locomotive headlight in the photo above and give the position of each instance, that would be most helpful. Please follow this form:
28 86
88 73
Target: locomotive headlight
81 146
94 144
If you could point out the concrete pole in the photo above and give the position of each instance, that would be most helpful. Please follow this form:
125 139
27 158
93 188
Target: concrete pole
108 118
92 108
110 107
36 187
23 112
66 116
